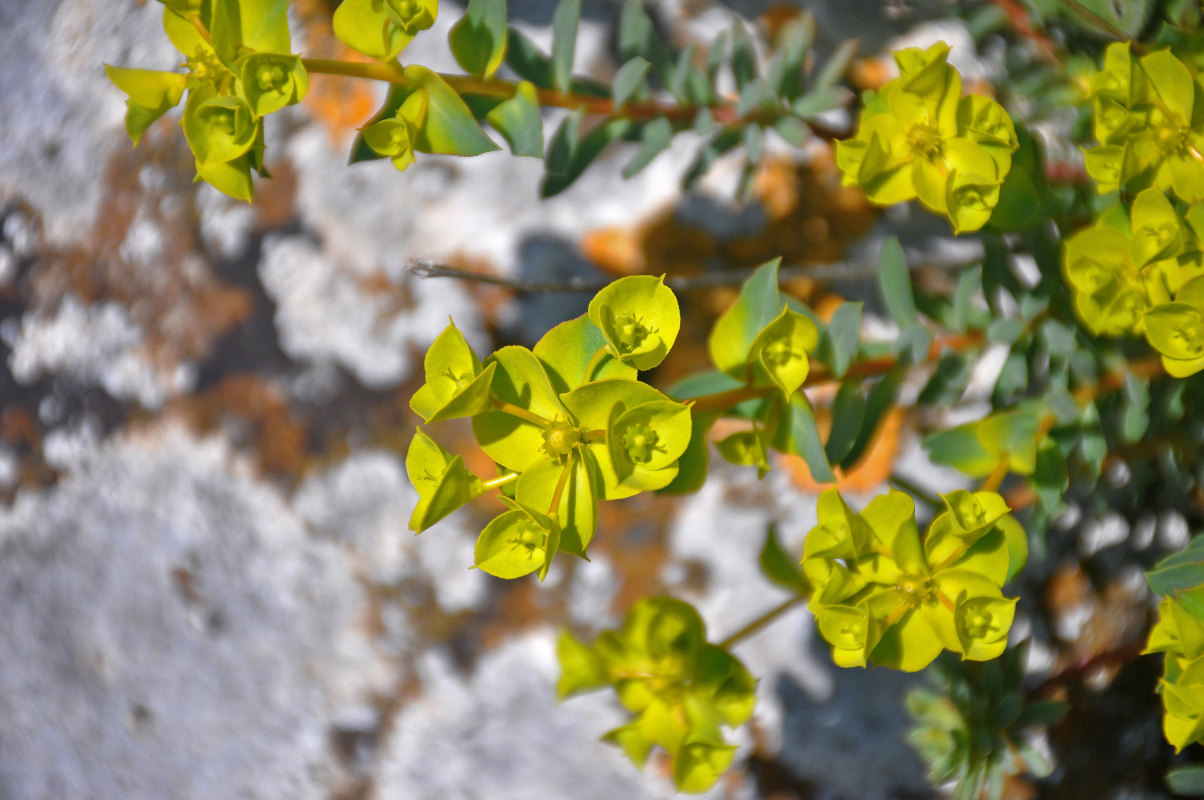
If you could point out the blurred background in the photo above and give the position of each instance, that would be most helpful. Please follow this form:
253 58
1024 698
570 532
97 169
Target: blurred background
207 587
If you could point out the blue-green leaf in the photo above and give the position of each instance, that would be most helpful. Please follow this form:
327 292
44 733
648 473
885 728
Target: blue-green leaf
564 42
519 121
449 126
629 79
478 40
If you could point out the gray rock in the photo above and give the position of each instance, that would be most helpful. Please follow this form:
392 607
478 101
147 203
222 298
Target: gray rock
169 632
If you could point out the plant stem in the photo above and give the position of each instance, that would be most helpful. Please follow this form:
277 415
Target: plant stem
497 483
992 481
504 90
763 620
521 413
723 401
554 506
915 490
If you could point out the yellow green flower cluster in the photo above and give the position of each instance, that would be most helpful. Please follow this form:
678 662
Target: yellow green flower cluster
887 595
239 70
1144 274
568 423
1180 634
680 690
1149 123
919 137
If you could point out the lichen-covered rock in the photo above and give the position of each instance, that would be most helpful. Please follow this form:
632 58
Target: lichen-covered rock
169 630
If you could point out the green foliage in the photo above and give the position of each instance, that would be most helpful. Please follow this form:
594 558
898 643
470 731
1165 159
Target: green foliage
972 727
886 594
1180 635
679 690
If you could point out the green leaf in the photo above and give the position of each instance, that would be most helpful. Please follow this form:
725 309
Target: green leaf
781 568
150 95
1050 478
1041 714
1005 331
1187 781
456 385
816 102
567 156
694 462
449 127
441 480
836 65
746 449
894 280
519 121
842 339
573 353
1092 445
656 136
848 414
577 511
639 317
256 25
519 379
781 351
564 42
1179 572
797 433
363 25
581 670
527 61
881 399
645 441
1136 417
517 543
272 81
760 303
478 40
744 59
599 406
232 178
629 80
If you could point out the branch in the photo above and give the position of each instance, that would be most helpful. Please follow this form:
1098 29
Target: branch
724 113
834 272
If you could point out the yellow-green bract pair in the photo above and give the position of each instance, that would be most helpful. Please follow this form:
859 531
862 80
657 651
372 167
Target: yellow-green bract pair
680 690
887 595
1180 634
568 423
1149 119
920 138
1144 273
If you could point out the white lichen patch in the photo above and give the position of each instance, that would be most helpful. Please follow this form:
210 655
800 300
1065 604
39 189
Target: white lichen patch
171 630
326 313
499 734
365 503
95 345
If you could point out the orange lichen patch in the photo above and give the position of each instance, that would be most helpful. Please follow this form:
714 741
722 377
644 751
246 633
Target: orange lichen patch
341 104
173 294
810 218
867 474
255 413
871 73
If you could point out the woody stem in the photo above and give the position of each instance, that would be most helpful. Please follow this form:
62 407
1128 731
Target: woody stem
763 620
